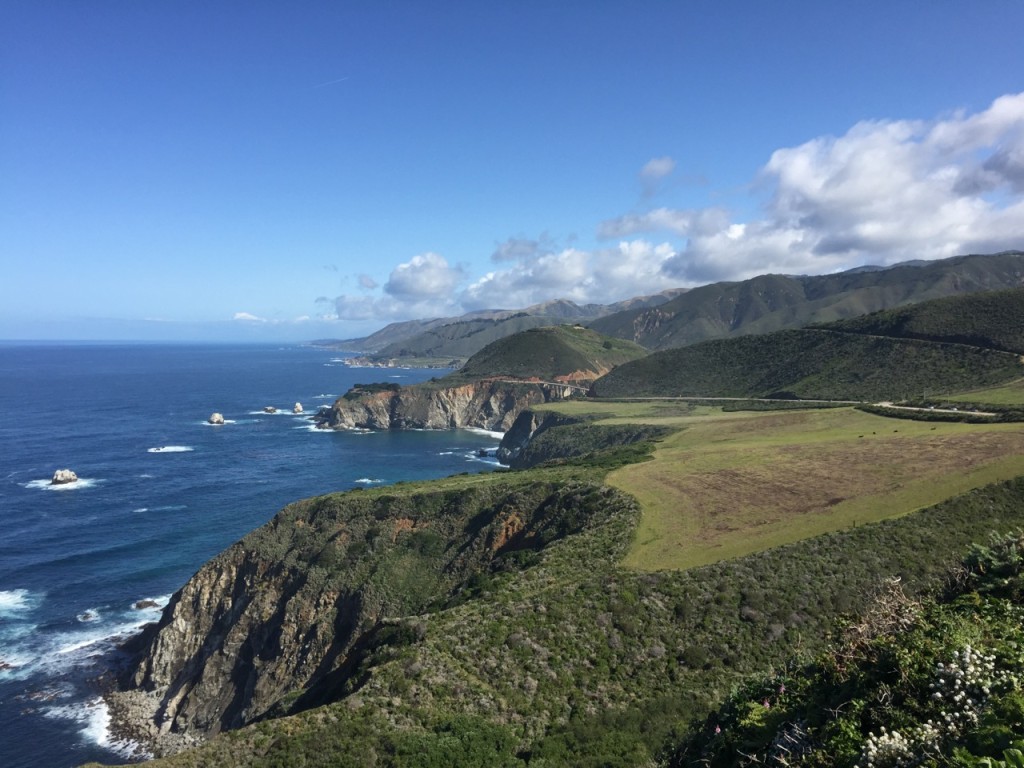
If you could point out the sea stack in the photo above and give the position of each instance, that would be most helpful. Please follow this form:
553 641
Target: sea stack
297 408
63 477
215 418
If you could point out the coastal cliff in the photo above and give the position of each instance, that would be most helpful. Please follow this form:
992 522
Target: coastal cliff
297 604
491 404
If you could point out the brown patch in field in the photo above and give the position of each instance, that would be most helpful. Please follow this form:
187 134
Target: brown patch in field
782 483
403 524
511 526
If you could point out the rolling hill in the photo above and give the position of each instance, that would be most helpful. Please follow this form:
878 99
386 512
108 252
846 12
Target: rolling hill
891 355
775 302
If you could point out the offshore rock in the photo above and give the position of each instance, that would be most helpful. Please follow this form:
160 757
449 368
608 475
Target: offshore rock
297 408
488 404
215 418
63 477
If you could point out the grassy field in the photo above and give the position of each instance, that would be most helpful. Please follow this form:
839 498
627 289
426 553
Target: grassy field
729 484
1008 394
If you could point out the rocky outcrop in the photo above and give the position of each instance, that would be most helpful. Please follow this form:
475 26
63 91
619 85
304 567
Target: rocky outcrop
280 621
528 425
63 477
297 408
488 404
215 418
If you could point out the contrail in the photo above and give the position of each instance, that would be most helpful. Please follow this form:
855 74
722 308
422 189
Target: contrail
331 82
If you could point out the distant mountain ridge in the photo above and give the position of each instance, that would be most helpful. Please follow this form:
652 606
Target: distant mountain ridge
940 346
679 317
775 302
461 337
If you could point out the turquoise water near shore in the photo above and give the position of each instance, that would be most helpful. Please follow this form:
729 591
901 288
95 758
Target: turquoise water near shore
160 492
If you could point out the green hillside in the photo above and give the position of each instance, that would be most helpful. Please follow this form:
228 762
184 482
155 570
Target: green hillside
994 320
561 352
775 302
462 339
935 682
811 364
555 655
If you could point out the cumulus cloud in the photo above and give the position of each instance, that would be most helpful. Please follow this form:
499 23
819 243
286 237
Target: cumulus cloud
424 286
598 276
427 277
247 317
884 192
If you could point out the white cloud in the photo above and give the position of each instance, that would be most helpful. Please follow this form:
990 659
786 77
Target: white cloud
654 173
600 276
884 192
247 317
427 277
424 286
658 168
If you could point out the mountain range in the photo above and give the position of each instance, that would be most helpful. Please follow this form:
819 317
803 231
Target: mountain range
680 317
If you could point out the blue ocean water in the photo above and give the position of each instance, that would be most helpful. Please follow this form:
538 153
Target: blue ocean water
160 492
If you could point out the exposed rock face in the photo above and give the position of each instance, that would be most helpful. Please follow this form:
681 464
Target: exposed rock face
290 607
215 418
63 477
488 404
526 426
297 408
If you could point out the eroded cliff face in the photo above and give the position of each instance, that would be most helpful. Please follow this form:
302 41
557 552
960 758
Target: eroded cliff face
489 404
280 615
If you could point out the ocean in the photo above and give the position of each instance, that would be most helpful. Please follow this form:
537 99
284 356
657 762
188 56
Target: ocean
160 491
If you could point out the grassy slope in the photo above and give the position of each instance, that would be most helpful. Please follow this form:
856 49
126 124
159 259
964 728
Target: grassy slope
728 484
547 353
773 302
811 364
993 320
574 660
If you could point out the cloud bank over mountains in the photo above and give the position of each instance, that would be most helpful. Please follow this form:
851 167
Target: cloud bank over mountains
886 191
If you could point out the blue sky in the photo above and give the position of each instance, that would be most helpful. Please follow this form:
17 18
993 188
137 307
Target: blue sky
273 171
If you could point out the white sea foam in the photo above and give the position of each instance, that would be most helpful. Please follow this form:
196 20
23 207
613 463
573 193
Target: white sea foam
487 432
312 427
484 460
15 601
90 615
324 396
226 421
171 449
48 485
94 718
28 652
368 480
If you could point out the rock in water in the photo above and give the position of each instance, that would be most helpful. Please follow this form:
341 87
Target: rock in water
216 418
63 477
269 409
297 408
141 604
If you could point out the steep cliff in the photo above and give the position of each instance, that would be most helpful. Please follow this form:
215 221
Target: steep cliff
538 438
292 606
487 404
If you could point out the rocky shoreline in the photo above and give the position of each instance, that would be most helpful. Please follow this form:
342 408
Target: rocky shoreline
132 718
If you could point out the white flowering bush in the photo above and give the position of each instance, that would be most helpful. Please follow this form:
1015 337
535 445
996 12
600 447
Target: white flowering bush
959 692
